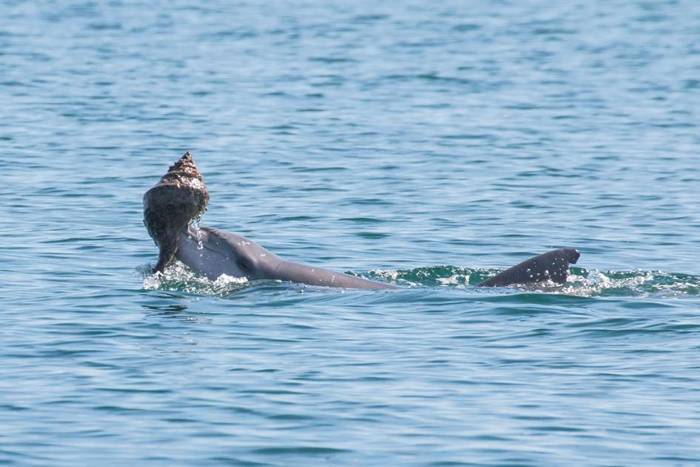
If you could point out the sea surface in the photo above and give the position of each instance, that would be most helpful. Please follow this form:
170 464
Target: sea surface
425 144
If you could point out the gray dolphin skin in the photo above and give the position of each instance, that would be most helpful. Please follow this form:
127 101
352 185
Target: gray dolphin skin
212 252
181 197
551 266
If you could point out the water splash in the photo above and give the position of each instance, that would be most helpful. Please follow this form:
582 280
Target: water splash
451 276
179 278
198 235
631 284
581 282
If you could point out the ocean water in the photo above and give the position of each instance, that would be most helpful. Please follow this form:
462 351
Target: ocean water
427 144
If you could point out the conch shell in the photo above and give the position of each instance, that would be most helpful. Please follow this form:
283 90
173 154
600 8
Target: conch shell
179 198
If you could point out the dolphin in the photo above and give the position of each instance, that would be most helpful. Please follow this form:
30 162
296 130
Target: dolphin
181 197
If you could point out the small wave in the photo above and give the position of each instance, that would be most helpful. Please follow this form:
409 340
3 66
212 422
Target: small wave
581 282
431 276
631 283
179 278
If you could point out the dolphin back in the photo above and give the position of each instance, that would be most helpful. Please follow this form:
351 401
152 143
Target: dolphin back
553 265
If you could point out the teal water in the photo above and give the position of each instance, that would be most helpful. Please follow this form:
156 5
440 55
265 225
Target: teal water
424 144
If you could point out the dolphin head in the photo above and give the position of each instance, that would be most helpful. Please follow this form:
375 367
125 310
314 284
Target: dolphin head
179 198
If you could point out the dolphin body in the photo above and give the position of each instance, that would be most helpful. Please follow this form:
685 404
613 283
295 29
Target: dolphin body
212 252
181 197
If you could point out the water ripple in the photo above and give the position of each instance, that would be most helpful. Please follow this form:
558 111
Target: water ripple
429 146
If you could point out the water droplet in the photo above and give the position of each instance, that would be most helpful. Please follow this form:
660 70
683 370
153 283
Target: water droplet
198 234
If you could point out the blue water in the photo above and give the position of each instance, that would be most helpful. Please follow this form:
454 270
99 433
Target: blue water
428 144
